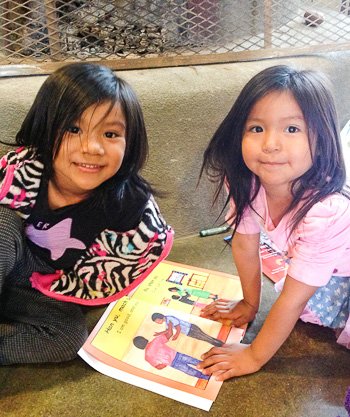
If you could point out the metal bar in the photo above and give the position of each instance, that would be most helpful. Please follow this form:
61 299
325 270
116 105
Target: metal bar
267 24
222 33
10 25
52 29
176 61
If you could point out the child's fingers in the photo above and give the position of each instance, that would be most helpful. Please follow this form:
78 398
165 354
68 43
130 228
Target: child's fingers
227 312
209 310
228 361
235 369
225 315
218 368
218 305
215 304
213 363
216 315
211 352
229 373
223 309
222 314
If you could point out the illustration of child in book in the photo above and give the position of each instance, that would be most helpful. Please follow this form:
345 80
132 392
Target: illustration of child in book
182 326
195 292
186 299
159 355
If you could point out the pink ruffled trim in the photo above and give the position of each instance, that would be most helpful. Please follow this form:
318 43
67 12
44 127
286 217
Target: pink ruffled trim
42 282
6 184
344 336
308 316
279 285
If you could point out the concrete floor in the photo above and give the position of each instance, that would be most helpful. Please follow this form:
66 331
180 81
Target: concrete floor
308 377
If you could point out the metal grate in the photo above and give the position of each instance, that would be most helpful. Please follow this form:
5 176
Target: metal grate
163 31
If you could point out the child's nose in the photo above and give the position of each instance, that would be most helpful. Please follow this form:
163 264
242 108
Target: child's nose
92 145
271 141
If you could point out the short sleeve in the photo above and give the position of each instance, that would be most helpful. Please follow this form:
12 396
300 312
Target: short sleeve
173 320
322 240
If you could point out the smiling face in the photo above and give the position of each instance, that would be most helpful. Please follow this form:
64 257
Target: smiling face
275 143
91 152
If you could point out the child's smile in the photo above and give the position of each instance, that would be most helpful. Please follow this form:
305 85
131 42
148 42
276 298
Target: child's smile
275 143
89 168
91 152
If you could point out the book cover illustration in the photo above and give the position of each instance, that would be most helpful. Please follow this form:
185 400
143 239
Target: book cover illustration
156 347
274 263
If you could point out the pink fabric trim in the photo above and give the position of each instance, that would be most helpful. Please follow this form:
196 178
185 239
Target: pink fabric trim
308 316
344 336
6 184
279 285
41 282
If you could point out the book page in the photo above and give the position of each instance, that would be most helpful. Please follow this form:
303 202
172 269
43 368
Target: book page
157 347
185 288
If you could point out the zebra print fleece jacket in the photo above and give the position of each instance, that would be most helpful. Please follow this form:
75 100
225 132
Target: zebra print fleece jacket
114 264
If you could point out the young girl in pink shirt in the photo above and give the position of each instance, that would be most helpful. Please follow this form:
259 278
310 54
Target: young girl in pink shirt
278 152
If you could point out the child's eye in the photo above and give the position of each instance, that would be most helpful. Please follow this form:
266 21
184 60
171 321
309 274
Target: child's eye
111 135
292 129
74 129
256 129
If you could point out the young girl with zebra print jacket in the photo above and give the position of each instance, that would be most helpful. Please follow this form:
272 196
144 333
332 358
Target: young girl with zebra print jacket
78 224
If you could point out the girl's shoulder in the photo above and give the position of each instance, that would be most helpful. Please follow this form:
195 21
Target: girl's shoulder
319 246
20 177
19 157
333 205
333 212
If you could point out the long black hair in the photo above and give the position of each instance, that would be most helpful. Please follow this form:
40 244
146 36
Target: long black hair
60 103
223 161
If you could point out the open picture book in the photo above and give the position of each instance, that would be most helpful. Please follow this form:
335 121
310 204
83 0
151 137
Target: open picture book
154 338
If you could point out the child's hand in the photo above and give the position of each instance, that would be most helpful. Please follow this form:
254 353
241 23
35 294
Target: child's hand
240 312
228 361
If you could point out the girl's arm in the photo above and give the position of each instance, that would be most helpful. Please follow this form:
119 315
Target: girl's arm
246 255
240 359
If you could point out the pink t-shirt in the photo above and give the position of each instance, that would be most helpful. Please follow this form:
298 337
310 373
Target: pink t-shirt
320 245
157 352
